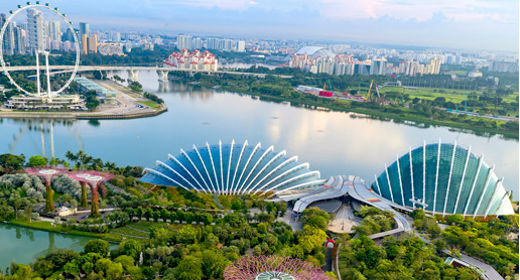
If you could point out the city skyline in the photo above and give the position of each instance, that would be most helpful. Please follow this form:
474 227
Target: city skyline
469 24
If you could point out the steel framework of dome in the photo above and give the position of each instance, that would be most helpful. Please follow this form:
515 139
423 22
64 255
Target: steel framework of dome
233 169
452 180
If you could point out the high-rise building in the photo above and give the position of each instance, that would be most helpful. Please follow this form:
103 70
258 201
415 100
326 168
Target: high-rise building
19 40
92 43
377 67
68 36
35 30
9 39
434 67
184 42
84 44
114 36
84 28
54 30
241 46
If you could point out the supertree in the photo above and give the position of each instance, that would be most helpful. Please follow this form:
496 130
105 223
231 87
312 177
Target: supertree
273 267
93 179
46 173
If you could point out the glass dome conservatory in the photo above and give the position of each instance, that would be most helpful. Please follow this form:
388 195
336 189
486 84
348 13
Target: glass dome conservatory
234 169
444 179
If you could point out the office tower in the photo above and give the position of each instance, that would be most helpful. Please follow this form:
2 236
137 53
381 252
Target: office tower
84 44
84 28
35 30
92 43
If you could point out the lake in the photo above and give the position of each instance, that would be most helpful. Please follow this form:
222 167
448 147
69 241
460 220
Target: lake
24 245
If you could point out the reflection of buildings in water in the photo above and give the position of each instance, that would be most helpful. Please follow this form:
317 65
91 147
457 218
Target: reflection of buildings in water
192 92
164 86
44 127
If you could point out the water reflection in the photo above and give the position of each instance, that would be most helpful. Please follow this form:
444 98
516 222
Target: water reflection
332 142
24 245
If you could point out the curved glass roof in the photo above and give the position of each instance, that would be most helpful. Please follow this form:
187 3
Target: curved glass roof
444 179
315 51
233 169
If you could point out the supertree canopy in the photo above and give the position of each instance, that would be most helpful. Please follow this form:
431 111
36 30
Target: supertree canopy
273 267
46 173
93 179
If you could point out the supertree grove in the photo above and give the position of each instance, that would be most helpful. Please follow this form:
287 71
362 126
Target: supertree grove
273 267
46 173
94 179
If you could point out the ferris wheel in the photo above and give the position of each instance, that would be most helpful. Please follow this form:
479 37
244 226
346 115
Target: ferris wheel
48 93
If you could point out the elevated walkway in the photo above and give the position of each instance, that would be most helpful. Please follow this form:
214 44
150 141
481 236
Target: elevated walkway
335 187
362 193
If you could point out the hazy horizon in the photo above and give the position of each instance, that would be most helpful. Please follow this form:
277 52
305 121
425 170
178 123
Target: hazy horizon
467 24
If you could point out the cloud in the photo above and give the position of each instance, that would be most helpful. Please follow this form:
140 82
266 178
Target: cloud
460 10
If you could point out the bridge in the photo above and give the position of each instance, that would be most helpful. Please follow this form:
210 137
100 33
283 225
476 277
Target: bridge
134 70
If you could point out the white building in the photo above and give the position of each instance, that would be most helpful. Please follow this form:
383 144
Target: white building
110 49
184 42
35 30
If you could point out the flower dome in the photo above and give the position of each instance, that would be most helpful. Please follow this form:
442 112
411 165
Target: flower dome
234 169
444 179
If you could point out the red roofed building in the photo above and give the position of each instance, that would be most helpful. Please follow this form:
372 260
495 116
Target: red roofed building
196 60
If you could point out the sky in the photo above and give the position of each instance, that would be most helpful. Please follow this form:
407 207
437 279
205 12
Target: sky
460 24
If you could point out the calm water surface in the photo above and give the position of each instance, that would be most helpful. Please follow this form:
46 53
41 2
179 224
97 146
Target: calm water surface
24 245
332 142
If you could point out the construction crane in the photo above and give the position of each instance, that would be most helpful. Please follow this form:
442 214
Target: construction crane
372 83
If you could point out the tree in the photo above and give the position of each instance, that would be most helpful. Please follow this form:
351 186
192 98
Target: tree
189 268
130 248
37 161
455 219
213 264
311 238
315 217
97 246
12 162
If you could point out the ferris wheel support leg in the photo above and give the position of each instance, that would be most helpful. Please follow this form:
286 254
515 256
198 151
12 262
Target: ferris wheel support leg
48 76
38 85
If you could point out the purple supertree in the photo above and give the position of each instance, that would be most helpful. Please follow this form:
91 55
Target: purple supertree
93 179
273 267
46 173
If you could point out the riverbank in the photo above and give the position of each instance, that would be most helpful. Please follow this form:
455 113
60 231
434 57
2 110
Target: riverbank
423 112
125 104
59 228
381 112
80 115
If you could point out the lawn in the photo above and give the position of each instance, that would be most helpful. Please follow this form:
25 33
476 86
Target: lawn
140 229
150 104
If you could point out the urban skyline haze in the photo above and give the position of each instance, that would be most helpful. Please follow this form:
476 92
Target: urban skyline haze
466 24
